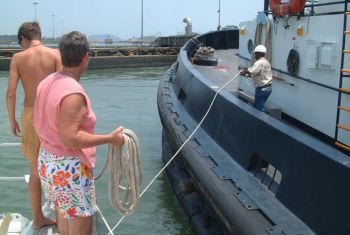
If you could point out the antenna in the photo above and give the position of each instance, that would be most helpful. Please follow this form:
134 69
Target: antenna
219 13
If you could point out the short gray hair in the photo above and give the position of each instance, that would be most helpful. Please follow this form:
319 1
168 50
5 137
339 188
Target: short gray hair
73 47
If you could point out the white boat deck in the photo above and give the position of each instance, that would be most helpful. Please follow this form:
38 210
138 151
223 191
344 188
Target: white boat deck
52 230
48 210
47 229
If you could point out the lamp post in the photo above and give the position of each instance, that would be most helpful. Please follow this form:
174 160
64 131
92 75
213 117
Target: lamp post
53 26
219 13
141 22
35 3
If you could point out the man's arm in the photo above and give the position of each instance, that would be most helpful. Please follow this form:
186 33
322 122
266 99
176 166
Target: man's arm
11 96
255 69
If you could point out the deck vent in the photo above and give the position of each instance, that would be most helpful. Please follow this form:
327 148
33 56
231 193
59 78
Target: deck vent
266 173
182 96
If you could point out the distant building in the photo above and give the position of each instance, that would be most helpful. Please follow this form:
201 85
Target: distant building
108 40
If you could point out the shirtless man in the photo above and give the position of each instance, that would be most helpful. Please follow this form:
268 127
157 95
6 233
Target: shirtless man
30 66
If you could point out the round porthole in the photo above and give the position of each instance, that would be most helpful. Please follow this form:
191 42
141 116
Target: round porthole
250 46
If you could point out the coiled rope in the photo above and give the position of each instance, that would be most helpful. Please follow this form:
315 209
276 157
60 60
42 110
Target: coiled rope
125 174
206 54
203 54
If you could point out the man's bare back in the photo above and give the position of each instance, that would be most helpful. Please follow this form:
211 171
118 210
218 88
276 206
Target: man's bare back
31 66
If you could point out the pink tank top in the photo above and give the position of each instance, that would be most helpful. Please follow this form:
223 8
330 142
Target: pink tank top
48 99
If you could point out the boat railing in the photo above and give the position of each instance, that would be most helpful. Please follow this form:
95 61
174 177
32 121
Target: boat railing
311 7
13 178
9 144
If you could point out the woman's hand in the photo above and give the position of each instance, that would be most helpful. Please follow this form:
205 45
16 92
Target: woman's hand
117 137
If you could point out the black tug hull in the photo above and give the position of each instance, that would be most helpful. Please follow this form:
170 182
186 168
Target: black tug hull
217 176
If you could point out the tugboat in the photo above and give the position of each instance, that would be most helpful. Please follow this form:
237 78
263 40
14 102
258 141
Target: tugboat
282 171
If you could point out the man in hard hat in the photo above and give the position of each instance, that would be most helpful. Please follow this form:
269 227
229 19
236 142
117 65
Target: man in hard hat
262 77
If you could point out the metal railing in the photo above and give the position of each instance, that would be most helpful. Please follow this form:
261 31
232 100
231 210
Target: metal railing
13 178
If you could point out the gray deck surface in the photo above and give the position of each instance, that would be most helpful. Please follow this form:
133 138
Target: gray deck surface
226 69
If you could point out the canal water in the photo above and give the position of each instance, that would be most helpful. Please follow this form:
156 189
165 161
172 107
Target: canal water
124 97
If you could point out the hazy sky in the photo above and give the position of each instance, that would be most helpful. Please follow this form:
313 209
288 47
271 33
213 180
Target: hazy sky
122 18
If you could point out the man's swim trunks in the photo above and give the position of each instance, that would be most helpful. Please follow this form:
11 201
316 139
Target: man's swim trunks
30 143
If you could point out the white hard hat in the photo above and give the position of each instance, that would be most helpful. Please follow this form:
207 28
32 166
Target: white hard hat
260 48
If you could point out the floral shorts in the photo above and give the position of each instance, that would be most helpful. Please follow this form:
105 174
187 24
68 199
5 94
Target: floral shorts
69 183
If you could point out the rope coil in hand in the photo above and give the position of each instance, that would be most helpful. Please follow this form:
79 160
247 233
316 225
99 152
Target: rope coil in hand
125 168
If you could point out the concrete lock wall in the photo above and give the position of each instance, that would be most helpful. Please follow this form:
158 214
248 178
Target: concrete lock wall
107 62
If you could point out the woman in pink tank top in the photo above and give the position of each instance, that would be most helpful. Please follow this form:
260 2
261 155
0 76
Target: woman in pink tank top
65 123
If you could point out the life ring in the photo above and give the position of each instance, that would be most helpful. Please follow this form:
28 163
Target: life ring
281 9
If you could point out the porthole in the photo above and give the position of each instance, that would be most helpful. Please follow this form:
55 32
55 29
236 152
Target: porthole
250 46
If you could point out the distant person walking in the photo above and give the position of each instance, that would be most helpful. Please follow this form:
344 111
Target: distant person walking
65 125
262 77
30 66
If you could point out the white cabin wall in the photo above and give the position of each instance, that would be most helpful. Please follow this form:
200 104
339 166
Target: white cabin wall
317 31
250 28
311 104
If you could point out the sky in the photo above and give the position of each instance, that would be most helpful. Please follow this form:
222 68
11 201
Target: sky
122 18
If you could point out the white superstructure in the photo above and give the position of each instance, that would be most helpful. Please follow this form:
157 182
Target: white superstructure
311 96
